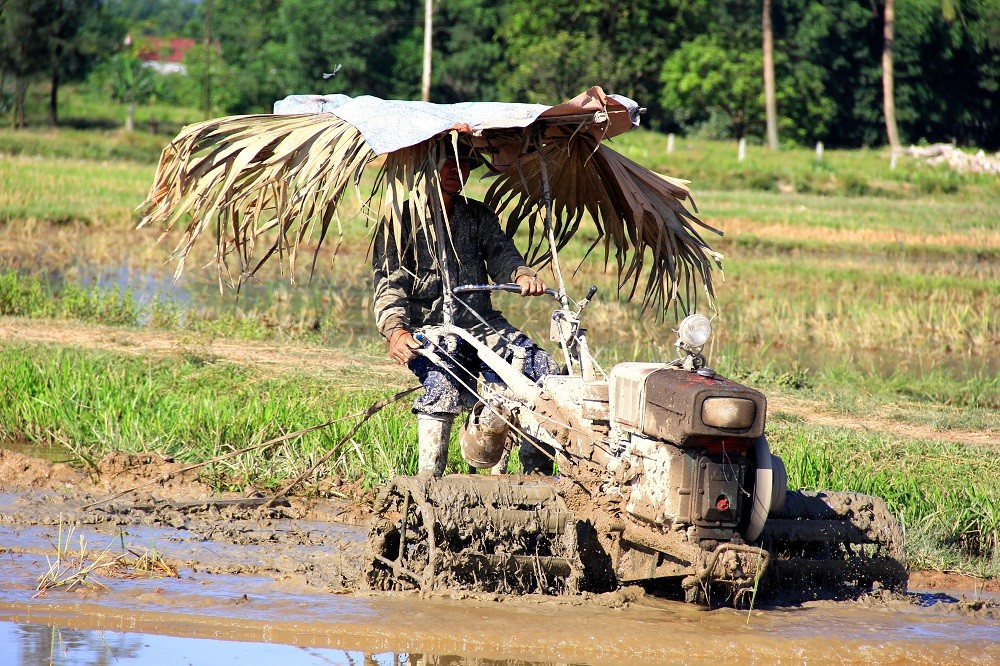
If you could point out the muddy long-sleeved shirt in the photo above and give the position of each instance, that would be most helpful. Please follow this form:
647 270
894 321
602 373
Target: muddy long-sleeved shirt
408 285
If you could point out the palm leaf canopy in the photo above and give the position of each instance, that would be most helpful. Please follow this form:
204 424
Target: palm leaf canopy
265 184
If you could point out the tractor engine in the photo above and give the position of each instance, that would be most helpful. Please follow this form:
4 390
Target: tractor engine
694 436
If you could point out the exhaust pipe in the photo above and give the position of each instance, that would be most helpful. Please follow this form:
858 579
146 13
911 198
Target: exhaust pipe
483 438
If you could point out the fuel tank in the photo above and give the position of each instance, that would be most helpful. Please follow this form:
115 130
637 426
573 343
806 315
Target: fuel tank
684 408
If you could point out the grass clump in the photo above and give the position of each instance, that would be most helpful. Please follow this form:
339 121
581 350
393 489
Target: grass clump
194 409
942 492
70 569
27 296
77 566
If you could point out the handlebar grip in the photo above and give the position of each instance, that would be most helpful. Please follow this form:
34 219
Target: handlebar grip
508 286
591 292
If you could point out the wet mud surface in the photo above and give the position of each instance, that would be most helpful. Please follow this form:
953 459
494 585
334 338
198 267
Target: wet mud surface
285 576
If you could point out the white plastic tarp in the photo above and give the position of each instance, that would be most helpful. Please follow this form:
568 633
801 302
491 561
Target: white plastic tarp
390 125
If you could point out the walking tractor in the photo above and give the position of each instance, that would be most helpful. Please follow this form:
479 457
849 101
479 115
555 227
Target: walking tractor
664 472
658 471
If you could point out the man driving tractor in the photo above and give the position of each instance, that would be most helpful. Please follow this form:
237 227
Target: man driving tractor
409 296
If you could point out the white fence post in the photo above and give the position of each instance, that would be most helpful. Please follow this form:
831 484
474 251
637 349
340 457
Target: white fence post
670 143
819 151
742 152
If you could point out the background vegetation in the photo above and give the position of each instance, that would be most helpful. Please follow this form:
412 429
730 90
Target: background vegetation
696 64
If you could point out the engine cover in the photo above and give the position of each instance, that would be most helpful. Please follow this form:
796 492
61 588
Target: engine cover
684 408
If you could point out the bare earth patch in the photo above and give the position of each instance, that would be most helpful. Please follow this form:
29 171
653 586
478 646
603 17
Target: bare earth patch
814 413
271 357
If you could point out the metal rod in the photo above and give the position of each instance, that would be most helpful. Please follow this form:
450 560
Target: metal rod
547 199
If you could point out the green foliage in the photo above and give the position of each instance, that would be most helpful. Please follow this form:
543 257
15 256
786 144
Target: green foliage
256 55
370 40
194 408
26 296
159 17
703 76
695 65
25 36
127 81
466 52
943 493
556 68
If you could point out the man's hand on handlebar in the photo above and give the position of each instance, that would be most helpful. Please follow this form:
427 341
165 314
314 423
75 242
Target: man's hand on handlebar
530 285
401 346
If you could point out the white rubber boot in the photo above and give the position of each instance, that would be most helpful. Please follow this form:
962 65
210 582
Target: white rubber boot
433 433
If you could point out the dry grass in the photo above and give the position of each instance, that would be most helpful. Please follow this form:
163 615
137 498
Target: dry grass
70 569
75 565
981 239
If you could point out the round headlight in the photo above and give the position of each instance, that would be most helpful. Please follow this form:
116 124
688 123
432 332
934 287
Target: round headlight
695 330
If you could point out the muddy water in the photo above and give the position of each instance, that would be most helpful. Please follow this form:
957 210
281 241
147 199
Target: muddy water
60 646
274 589
220 616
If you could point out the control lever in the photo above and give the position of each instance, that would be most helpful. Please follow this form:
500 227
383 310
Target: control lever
586 299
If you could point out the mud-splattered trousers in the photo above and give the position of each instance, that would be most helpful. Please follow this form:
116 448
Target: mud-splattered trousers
409 295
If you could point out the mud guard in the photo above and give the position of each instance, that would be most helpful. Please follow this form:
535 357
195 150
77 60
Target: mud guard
770 484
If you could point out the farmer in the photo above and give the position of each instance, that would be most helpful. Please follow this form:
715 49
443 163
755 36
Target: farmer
409 296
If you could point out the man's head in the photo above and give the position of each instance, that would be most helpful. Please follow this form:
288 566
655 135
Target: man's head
454 174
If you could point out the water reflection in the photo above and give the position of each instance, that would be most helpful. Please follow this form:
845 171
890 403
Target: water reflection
37 644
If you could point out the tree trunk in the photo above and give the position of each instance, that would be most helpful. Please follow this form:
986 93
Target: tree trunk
770 104
888 96
20 92
208 58
130 118
425 82
54 98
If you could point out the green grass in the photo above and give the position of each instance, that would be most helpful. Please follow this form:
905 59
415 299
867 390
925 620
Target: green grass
943 493
71 190
193 408
30 297
852 173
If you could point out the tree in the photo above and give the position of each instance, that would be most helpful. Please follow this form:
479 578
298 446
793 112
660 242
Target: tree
466 50
60 38
253 44
425 78
770 105
25 45
129 83
888 84
80 34
377 44
703 76
159 17
558 48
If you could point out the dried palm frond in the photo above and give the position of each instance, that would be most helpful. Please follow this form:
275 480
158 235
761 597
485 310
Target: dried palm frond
637 211
276 181
247 176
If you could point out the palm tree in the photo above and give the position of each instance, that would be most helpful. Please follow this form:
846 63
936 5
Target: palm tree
770 104
130 83
888 96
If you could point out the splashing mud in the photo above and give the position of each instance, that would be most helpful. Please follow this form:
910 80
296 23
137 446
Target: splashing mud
286 576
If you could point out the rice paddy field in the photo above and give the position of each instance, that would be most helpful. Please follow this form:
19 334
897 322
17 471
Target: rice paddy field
864 301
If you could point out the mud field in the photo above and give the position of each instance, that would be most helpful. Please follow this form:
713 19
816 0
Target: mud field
233 580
